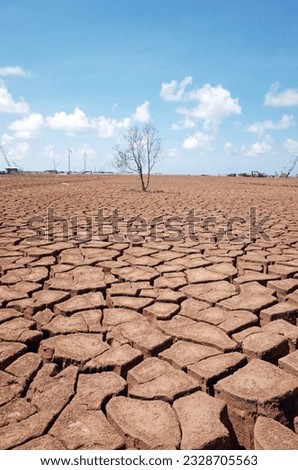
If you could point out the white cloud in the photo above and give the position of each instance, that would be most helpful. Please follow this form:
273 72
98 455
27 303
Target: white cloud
6 139
198 141
79 121
142 113
17 151
288 97
230 149
109 127
20 150
49 152
257 149
28 127
213 105
174 90
171 152
185 123
70 123
8 105
85 150
13 71
254 151
259 128
291 146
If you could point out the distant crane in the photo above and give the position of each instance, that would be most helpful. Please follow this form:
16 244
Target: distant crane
287 173
11 168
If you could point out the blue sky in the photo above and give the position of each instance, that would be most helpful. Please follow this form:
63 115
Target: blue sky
219 79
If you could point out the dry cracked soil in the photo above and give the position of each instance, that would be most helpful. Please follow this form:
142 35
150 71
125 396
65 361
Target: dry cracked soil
158 320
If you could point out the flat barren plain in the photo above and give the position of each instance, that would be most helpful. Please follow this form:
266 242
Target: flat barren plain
157 320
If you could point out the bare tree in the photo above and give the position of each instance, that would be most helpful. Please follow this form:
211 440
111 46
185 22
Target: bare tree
142 151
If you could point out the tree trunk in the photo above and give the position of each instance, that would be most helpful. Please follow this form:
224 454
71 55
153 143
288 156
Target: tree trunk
144 187
148 179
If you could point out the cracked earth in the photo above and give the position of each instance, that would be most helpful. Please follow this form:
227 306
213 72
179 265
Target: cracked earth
149 338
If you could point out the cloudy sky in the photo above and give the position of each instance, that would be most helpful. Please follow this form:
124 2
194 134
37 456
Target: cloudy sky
219 79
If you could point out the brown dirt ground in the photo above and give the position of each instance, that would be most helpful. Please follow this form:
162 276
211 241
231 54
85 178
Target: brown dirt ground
154 331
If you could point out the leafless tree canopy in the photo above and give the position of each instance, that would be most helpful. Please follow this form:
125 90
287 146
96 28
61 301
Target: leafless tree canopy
142 151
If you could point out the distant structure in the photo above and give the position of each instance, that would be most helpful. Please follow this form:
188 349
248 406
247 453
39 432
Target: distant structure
11 168
53 172
287 173
55 166
258 174
85 159
69 153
